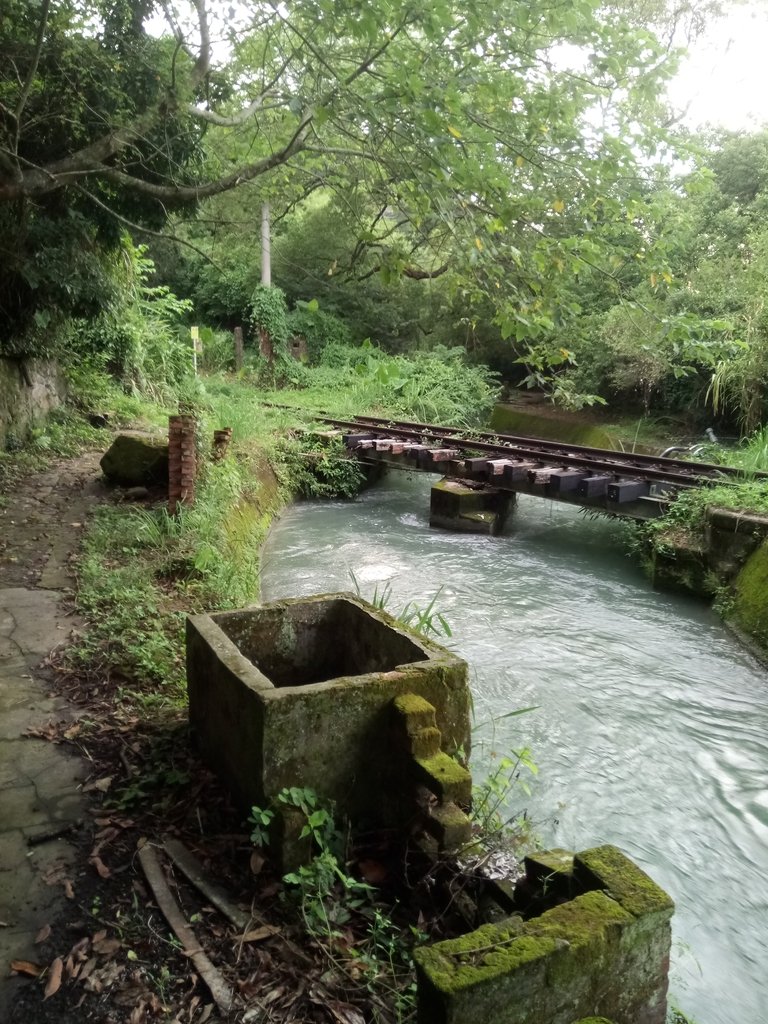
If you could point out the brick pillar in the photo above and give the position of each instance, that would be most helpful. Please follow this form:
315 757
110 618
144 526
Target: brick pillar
221 439
238 332
182 461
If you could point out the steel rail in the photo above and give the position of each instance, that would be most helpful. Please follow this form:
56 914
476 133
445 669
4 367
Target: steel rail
559 457
677 471
699 469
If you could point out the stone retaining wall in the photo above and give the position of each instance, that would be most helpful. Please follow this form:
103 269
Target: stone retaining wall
29 390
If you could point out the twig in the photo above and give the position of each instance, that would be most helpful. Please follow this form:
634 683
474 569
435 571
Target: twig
222 994
54 833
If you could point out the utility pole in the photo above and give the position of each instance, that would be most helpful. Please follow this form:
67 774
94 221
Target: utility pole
266 251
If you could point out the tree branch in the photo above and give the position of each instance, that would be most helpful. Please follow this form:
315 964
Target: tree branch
191 193
148 231
29 80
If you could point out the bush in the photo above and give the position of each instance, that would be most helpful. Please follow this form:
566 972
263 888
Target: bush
318 328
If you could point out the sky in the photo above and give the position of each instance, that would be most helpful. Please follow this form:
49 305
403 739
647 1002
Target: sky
725 79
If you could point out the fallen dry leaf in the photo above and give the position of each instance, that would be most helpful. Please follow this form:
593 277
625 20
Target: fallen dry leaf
107 947
26 967
88 968
258 860
345 1013
106 835
102 785
43 934
72 731
80 948
49 732
69 890
55 874
100 866
54 978
103 977
258 934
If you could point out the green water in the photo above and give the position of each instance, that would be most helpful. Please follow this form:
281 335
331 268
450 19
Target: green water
512 419
652 723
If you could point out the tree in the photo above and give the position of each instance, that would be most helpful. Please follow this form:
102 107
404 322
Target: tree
474 135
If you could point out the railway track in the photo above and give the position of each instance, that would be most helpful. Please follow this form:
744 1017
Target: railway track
676 472
637 486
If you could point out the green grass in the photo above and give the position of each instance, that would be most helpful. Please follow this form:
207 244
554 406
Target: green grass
142 569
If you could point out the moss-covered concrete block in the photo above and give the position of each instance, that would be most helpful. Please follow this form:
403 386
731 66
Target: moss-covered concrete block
300 691
679 562
454 505
414 728
604 953
445 777
607 868
449 825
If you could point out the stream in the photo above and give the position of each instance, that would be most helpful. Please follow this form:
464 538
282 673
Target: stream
651 728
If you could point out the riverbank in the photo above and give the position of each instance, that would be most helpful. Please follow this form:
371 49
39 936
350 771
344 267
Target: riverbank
140 573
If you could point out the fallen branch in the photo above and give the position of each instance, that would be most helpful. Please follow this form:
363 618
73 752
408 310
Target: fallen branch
222 994
193 869
54 833
190 866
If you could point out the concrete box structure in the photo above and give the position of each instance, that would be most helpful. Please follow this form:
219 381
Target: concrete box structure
299 692
603 952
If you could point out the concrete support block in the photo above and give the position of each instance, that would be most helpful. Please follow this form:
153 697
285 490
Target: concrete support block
299 693
604 952
449 825
456 505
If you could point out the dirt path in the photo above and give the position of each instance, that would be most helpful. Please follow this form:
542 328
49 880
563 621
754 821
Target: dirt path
40 525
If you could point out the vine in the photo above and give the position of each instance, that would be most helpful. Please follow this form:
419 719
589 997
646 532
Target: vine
269 315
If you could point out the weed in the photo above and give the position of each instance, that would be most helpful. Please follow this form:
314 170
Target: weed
339 911
427 620
318 469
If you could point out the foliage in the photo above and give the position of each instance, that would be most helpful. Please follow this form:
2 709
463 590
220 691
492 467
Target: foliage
318 327
317 468
218 350
427 620
436 386
330 900
491 798
140 340
269 315
77 74
128 632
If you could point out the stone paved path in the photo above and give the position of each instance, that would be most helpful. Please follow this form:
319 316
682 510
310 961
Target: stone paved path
40 524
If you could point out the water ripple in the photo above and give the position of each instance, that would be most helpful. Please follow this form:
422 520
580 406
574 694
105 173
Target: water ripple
652 728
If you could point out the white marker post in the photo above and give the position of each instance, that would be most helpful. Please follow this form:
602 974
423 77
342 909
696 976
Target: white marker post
197 345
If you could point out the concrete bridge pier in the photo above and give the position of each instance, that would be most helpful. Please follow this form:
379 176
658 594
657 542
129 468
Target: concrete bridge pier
469 507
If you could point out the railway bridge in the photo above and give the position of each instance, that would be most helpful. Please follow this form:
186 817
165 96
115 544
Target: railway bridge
484 471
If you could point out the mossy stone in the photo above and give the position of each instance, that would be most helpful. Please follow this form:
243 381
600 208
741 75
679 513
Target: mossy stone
750 597
132 460
445 777
606 867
